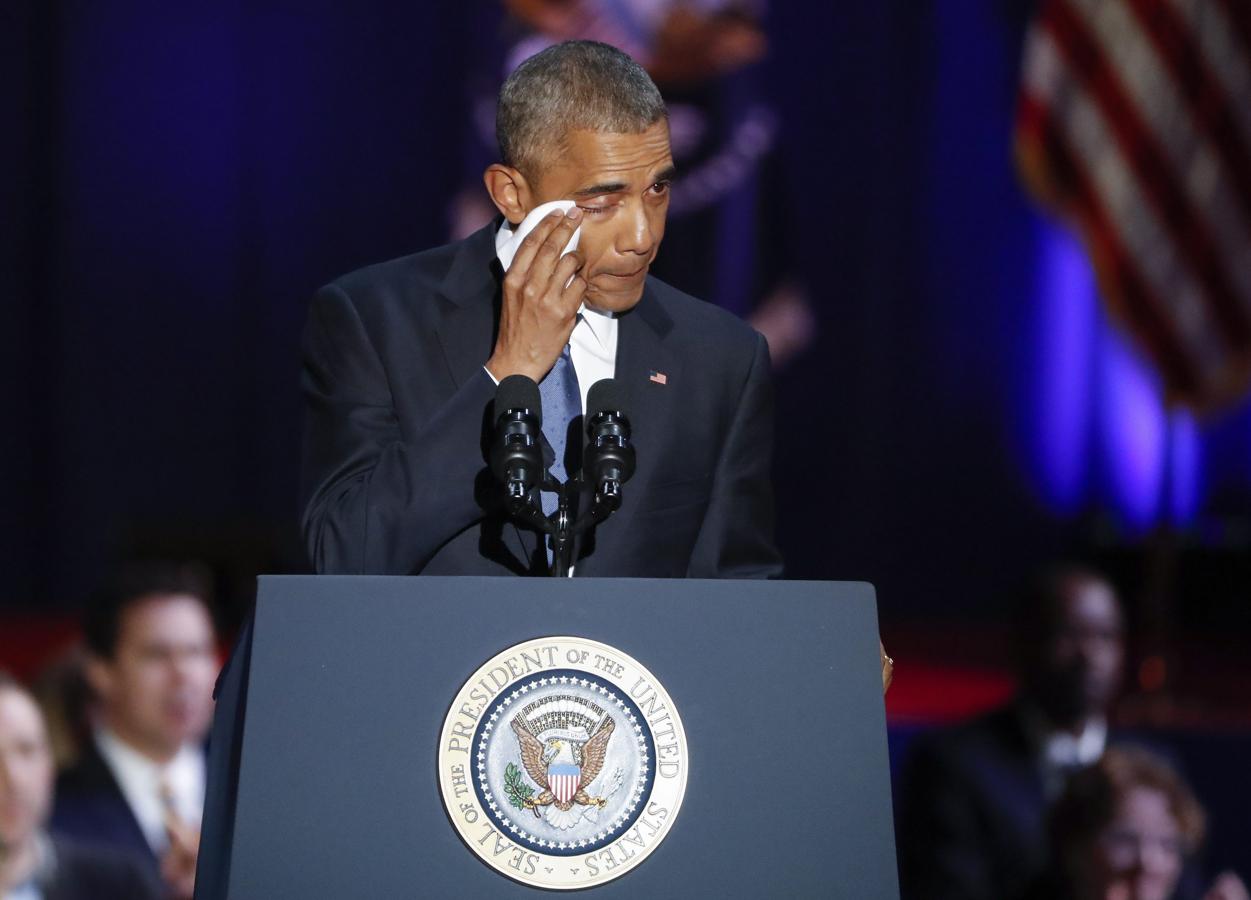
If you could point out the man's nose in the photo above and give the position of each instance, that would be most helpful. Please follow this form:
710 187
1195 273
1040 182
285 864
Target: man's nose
638 232
182 667
1156 858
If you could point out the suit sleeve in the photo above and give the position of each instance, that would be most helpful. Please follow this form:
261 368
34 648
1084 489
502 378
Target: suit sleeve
378 501
736 537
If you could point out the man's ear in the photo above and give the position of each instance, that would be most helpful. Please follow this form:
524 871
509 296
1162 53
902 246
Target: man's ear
509 190
99 675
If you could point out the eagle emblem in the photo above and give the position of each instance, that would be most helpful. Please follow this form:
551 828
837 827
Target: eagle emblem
561 765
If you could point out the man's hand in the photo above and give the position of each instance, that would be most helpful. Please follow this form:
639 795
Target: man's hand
1228 886
888 668
539 311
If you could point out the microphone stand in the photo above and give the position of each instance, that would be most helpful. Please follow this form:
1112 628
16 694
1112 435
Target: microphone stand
515 459
563 524
567 524
564 528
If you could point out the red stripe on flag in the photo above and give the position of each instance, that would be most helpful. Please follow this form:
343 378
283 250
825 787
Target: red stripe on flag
1132 299
1206 99
1154 176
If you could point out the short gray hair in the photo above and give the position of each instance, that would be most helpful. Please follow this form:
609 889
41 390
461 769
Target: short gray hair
575 85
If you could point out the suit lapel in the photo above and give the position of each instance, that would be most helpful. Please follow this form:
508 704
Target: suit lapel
647 370
470 290
648 373
111 802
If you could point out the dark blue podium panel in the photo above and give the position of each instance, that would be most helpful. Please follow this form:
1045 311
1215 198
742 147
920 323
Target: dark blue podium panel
349 680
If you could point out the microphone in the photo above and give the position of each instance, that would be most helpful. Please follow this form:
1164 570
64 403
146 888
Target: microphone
516 452
609 458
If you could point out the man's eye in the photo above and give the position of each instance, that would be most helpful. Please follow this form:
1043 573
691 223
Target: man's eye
661 187
594 210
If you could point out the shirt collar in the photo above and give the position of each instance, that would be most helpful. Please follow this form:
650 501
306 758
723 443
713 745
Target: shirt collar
125 760
502 234
41 876
1061 748
141 779
603 325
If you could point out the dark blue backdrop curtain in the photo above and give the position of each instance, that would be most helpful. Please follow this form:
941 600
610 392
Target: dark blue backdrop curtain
177 180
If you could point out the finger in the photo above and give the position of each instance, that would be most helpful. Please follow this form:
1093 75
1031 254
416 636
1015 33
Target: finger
572 295
549 254
534 240
566 268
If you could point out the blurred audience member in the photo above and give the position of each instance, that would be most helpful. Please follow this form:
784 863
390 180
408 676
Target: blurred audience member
63 696
151 661
1122 830
679 42
34 866
973 798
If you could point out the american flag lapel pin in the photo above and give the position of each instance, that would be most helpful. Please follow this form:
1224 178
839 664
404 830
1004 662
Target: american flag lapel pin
658 377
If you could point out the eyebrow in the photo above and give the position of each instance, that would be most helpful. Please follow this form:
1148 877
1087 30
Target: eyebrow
616 187
611 187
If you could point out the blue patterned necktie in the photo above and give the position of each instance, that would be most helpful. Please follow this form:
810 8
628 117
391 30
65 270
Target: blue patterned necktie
562 403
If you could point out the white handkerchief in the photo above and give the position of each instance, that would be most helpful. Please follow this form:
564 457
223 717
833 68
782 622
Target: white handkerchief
508 239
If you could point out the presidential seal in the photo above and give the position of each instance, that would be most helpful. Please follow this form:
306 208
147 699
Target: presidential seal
562 763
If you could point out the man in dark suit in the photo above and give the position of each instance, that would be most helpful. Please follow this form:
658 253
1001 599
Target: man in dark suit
139 783
402 360
33 864
974 798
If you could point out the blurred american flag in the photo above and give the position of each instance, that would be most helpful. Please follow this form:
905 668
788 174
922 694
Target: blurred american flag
1134 123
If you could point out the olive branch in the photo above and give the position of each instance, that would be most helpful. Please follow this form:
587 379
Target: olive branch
516 789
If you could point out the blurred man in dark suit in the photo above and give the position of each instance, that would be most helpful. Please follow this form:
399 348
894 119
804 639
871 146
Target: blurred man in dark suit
974 798
139 785
33 865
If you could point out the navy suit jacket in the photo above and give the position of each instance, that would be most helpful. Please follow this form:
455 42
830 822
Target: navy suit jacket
972 812
85 872
91 808
399 412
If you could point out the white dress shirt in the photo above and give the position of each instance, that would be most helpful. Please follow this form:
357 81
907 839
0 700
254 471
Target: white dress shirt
141 780
1060 753
45 871
593 344
26 891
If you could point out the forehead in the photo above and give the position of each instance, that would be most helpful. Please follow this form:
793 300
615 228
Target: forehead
165 617
605 156
19 717
1147 807
1090 604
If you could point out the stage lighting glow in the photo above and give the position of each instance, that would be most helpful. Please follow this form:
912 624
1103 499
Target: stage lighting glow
1068 318
1101 434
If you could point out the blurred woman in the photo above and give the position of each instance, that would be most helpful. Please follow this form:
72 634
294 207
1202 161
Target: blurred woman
1122 830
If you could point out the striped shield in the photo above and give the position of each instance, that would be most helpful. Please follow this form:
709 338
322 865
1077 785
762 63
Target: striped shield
564 779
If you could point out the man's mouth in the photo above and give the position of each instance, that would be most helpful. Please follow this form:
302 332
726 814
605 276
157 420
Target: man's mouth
626 276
